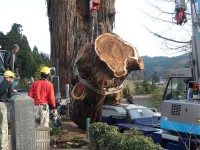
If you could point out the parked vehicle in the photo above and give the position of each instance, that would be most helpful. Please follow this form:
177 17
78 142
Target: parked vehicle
180 120
180 114
129 114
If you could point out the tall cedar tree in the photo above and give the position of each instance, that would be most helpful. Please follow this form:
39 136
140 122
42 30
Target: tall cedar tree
69 24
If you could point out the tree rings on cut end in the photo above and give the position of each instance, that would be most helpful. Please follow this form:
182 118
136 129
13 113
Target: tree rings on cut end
78 92
116 53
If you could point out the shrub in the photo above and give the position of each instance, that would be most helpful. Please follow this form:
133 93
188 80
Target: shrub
109 137
54 131
115 141
99 130
141 142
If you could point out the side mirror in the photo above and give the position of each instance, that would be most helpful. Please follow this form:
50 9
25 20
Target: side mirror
140 110
53 71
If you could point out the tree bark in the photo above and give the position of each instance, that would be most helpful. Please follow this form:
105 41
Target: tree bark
70 26
61 22
102 67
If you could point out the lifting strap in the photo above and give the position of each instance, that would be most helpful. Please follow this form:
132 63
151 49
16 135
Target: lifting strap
103 91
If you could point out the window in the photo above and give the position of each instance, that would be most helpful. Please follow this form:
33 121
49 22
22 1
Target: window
175 90
140 113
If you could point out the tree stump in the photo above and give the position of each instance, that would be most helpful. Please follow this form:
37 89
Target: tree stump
102 67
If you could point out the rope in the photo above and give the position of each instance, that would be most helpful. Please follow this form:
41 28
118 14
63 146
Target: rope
103 91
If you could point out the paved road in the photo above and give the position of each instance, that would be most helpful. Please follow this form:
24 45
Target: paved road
22 91
138 99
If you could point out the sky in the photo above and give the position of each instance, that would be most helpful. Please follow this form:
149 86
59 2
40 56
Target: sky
130 24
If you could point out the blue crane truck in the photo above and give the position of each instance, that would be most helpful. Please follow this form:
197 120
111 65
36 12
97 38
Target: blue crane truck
179 124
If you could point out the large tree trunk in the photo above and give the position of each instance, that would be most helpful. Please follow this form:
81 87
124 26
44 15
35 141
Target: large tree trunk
102 68
61 22
69 25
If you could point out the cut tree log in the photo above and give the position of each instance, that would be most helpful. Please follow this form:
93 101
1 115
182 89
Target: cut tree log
117 53
102 67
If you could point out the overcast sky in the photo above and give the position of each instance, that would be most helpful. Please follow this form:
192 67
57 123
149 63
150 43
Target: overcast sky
130 24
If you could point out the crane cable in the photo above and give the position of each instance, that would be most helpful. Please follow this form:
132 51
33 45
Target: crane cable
94 8
94 25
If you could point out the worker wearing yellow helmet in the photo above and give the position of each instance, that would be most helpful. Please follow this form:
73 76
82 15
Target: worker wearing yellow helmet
8 74
7 89
42 91
6 86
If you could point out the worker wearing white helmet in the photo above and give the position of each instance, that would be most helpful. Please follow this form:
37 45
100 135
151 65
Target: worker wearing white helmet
42 91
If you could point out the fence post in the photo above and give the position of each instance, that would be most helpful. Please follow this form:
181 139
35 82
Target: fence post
67 100
87 128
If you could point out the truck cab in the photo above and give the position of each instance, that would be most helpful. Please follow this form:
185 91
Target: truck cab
176 88
179 113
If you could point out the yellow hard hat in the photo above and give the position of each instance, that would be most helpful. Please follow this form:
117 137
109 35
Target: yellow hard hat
9 74
45 70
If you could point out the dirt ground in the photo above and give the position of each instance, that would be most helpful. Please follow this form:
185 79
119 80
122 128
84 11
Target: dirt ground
69 136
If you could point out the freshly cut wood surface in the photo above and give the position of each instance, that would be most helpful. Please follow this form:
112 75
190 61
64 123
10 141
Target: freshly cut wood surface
102 67
116 53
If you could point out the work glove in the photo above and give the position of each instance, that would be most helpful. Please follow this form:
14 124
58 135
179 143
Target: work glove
55 114
56 118
55 111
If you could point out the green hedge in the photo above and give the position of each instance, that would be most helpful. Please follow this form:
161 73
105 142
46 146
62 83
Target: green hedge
108 137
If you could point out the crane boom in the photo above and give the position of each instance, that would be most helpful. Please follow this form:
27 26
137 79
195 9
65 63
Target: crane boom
195 15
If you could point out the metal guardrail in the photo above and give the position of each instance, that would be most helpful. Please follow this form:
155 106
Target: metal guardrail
2 52
2 69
